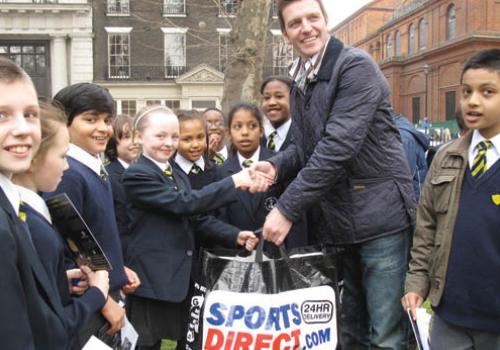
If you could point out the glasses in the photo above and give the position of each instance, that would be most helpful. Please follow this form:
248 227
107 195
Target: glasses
215 123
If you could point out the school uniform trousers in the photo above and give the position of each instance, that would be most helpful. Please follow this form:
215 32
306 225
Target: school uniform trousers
165 214
115 171
250 210
32 315
50 247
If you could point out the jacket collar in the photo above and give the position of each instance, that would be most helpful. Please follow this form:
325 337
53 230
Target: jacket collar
330 57
461 146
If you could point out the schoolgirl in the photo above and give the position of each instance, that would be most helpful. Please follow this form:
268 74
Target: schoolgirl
43 175
89 109
121 151
250 210
165 213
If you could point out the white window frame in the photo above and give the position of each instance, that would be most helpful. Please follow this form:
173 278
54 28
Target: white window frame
166 14
223 32
280 70
116 13
166 32
118 31
223 13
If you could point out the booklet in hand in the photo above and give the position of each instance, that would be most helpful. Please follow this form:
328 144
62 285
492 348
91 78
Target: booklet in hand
81 243
421 328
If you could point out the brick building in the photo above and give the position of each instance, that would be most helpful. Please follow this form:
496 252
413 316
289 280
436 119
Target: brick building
421 46
50 39
171 52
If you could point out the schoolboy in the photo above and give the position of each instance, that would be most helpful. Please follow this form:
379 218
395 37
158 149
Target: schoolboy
90 112
456 249
32 315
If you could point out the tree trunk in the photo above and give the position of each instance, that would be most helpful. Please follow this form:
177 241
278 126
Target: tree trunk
243 74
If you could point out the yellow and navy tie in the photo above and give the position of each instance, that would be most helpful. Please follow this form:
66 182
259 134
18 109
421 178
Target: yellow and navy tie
219 158
195 169
479 166
22 213
247 163
271 144
169 172
103 173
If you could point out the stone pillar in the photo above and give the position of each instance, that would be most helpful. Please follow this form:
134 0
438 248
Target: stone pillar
59 63
81 57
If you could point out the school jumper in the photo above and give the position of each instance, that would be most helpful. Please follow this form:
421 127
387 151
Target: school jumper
251 209
115 171
92 197
165 214
32 315
50 247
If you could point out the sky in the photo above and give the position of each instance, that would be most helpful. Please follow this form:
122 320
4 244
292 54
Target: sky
338 10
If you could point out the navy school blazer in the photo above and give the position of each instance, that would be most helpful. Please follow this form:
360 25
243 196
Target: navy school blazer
32 315
115 171
250 211
164 221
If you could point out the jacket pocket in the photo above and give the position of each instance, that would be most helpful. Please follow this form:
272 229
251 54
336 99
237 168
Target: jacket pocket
441 192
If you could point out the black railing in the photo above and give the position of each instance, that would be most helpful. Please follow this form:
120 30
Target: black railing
145 73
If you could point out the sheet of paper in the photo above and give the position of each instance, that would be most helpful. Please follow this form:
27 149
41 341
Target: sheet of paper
423 323
129 336
95 344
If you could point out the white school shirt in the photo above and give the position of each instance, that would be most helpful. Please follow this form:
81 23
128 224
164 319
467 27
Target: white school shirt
35 201
492 155
254 158
281 132
84 157
187 165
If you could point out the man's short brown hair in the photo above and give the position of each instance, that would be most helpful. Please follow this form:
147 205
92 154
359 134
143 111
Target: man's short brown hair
284 3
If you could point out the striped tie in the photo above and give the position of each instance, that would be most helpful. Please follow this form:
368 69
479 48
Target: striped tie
195 169
169 172
219 158
270 142
479 165
22 214
247 163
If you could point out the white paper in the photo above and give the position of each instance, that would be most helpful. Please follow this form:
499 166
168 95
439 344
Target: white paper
95 343
423 323
129 336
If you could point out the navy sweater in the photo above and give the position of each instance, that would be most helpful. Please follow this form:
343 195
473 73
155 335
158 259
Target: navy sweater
50 248
472 292
93 199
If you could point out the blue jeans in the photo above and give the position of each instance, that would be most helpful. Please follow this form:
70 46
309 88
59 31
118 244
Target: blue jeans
374 273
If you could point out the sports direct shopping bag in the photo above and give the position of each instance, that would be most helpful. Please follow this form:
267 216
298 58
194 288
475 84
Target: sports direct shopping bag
279 304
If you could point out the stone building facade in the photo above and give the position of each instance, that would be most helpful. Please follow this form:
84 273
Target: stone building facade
421 46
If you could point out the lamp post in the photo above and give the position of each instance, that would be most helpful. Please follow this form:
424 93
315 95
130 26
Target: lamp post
427 69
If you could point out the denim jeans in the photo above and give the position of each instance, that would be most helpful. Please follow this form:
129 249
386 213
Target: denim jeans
374 273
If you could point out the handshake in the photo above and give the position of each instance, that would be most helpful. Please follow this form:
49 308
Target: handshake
257 178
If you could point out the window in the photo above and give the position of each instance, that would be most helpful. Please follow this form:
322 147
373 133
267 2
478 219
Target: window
224 43
153 102
118 52
415 109
397 43
451 106
274 8
173 104
118 7
422 33
282 54
228 7
175 51
452 22
174 7
388 46
411 39
45 1
129 107
203 104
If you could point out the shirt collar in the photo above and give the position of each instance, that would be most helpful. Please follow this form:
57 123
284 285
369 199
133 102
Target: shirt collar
281 131
162 166
84 157
186 165
223 151
254 158
11 192
35 201
124 164
477 137
299 65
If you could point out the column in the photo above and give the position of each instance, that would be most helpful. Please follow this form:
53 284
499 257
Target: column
59 63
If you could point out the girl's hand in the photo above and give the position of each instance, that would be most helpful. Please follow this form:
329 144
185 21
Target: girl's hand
77 281
133 281
412 301
98 279
247 239
114 314
213 144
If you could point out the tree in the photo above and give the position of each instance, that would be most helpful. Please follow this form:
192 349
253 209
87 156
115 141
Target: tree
243 74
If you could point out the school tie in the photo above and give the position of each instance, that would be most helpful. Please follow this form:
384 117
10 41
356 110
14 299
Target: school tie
271 145
479 164
22 214
247 163
195 169
103 173
168 171
219 158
